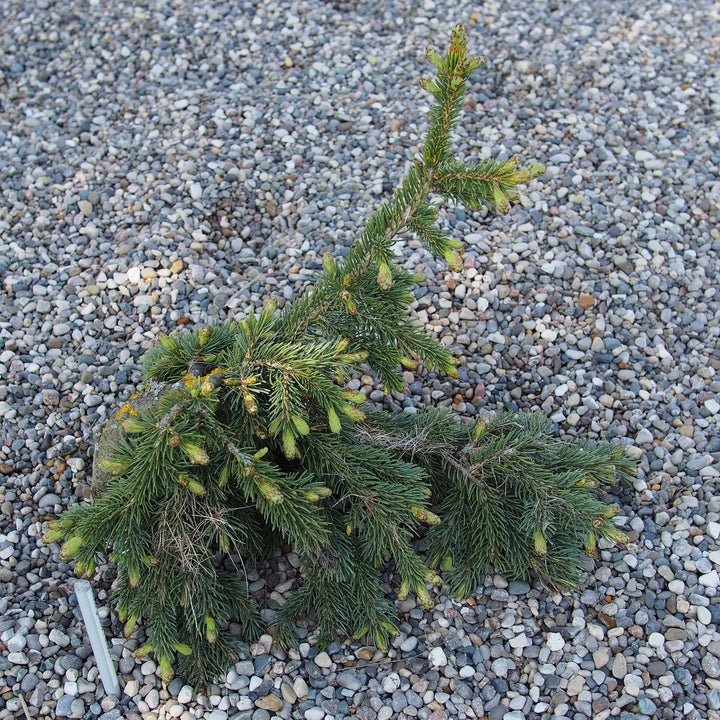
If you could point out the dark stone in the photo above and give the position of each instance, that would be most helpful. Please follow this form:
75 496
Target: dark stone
331 706
656 668
71 661
500 685
498 712
714 609
261 662
29 683
552 681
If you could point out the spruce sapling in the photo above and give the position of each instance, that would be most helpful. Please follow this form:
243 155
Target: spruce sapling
247 437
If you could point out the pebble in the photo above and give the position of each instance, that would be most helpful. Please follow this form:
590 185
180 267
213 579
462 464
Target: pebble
69 706
269 702
555 642
703 615
288 693
601 657
437 657
633 684
502 666
711 665
16 643
575 686
712 406
391 683
300 687
619 667
351 680
646 706
520 641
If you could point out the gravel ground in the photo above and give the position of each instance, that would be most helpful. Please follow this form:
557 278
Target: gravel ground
167 163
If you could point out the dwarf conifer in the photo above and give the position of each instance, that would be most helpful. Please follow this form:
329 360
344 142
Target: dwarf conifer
247 438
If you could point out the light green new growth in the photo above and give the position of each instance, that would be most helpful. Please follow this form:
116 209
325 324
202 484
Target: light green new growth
247 439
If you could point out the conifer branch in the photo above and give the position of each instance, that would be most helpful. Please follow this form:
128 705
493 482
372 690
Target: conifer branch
408 209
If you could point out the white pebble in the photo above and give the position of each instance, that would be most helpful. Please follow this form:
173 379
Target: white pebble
677 587
391 683
555 641
712 406
520 641
633 685
437 657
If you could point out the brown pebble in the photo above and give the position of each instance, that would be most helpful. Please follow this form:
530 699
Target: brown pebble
269 702
609 622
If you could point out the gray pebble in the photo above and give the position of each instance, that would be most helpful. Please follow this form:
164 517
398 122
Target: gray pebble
351 679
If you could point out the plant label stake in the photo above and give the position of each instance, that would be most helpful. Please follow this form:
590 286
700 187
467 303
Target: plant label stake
105 665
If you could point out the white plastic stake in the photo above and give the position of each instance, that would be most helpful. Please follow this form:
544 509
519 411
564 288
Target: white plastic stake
86 601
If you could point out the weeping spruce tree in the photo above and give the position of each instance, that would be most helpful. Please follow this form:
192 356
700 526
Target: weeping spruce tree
246 438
